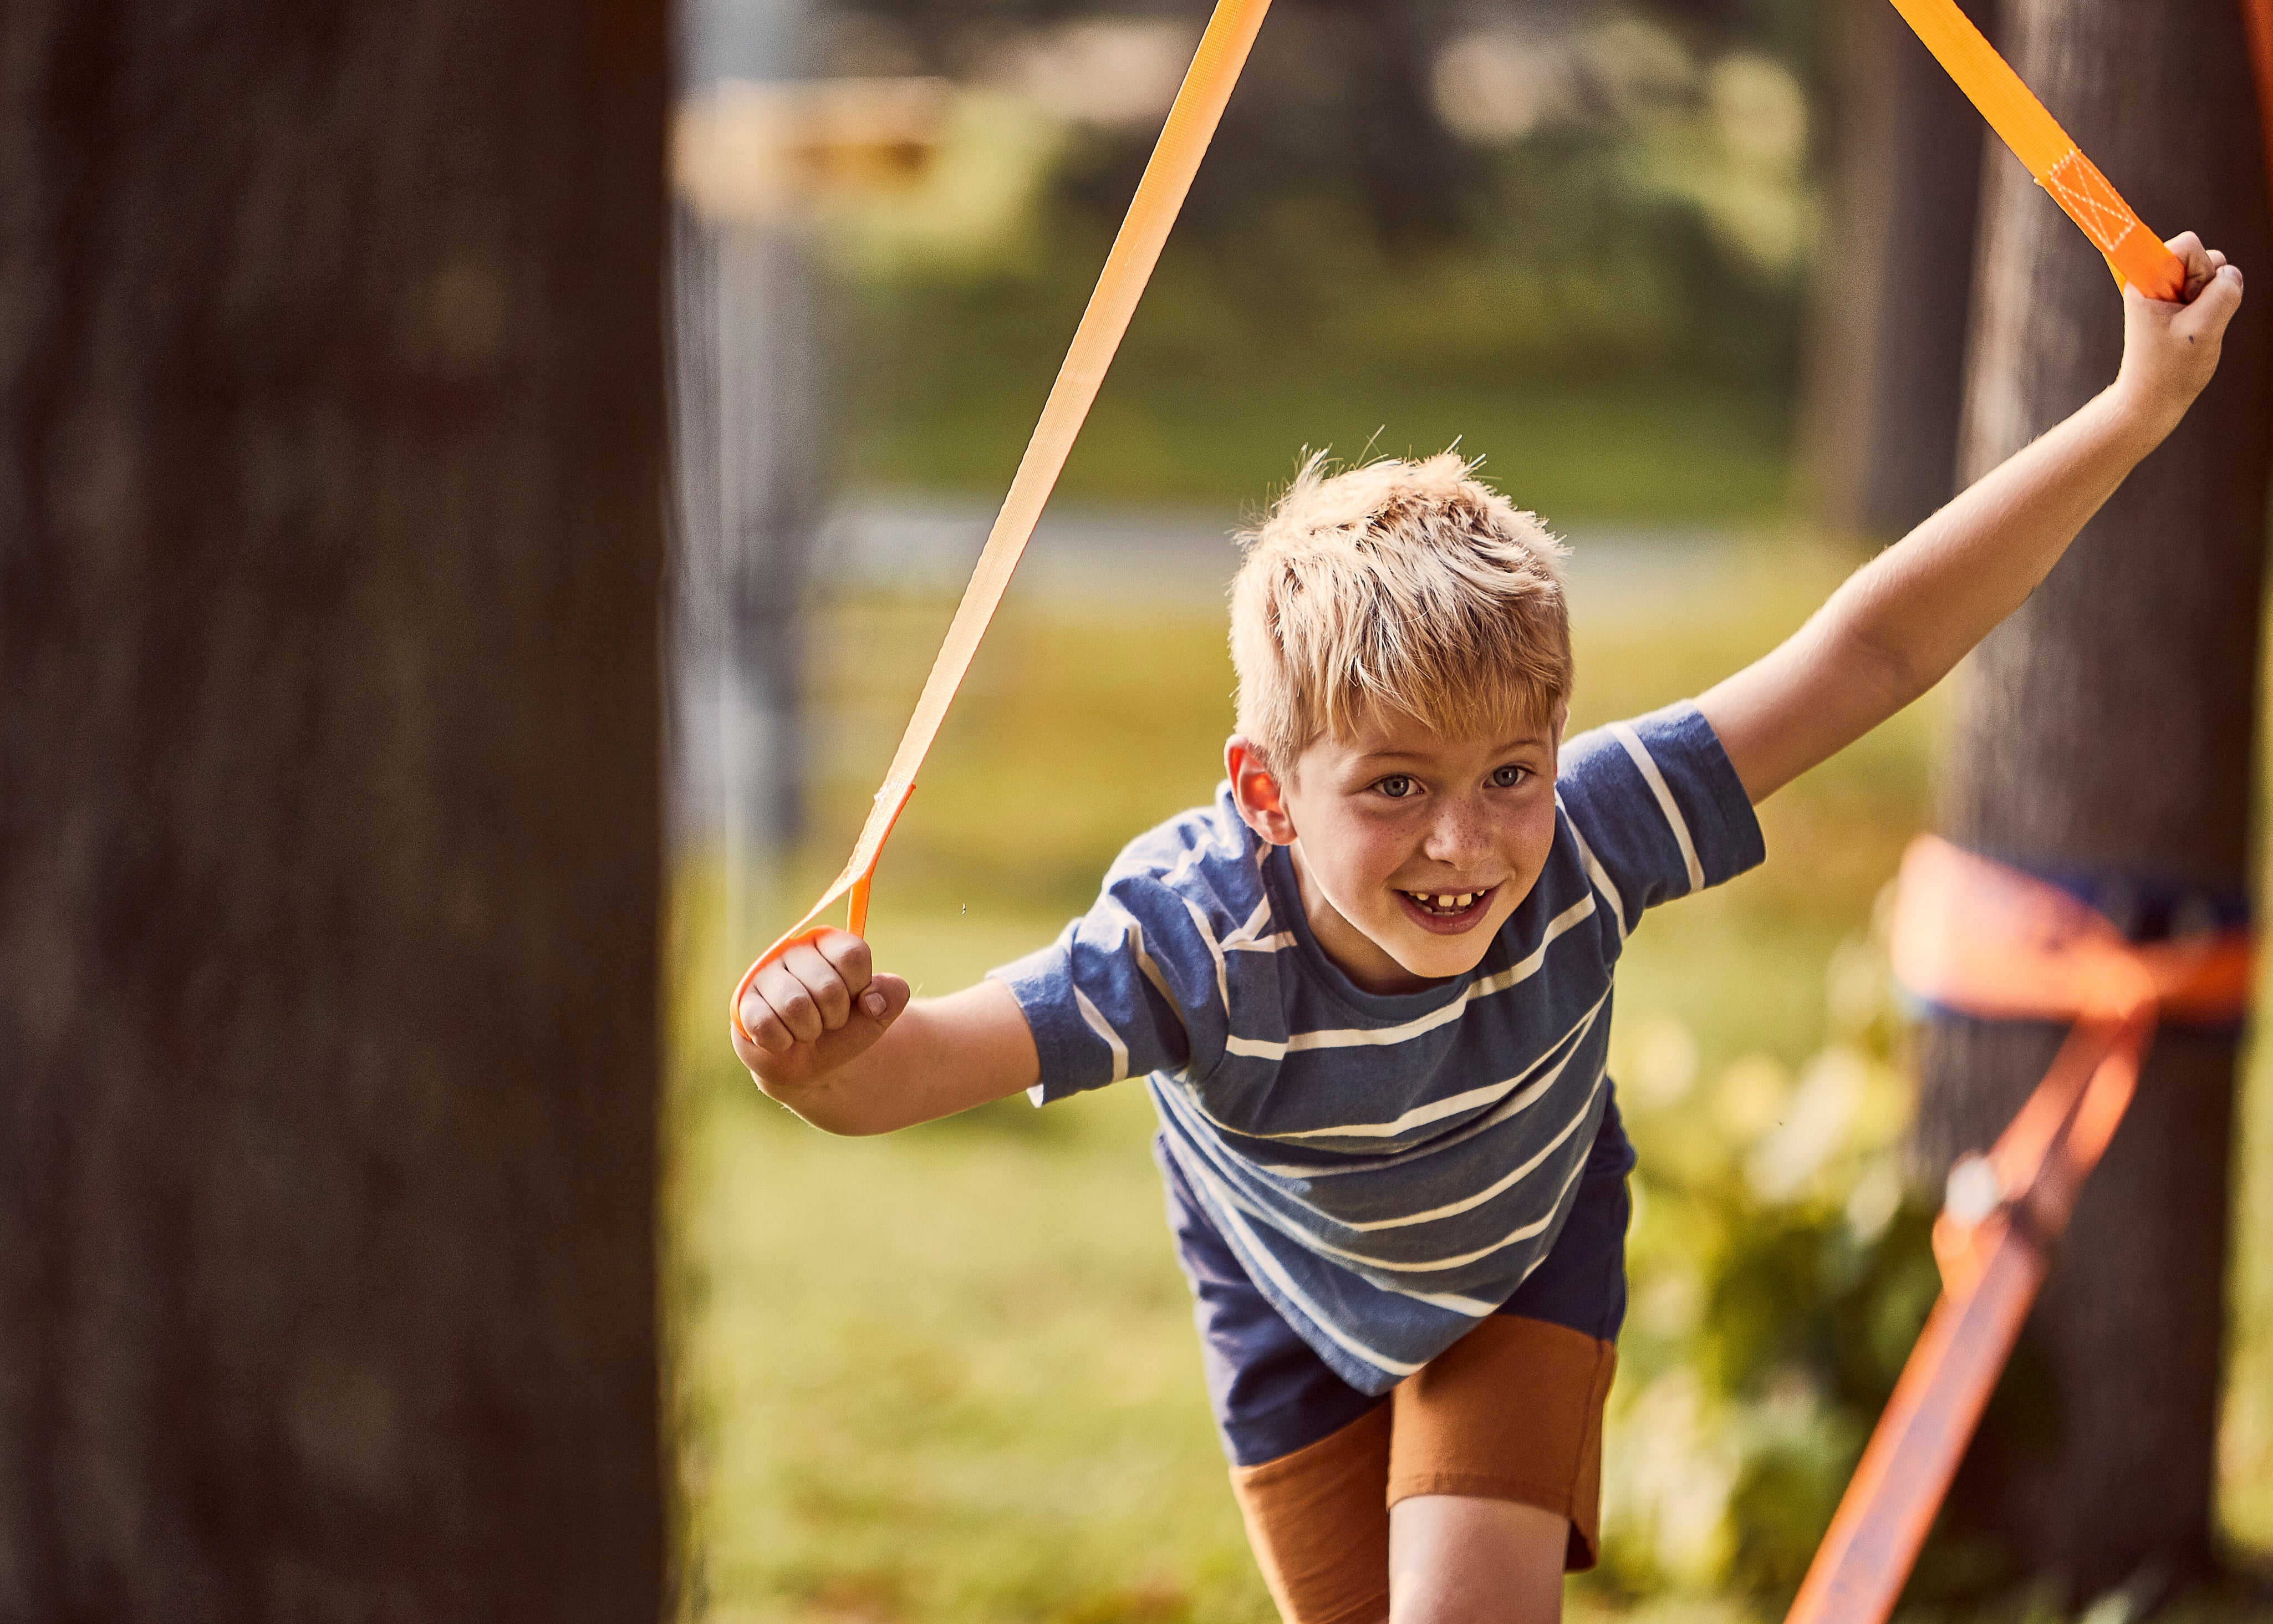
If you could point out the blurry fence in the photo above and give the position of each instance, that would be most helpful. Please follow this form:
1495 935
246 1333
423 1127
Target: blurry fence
752 426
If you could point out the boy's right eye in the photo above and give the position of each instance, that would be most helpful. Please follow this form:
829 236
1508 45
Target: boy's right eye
1397 786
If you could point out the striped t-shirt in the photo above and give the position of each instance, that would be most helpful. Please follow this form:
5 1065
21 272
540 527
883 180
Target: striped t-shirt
1387 1168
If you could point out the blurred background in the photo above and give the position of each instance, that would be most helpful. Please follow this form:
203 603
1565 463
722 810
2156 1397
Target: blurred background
480 489
1690 280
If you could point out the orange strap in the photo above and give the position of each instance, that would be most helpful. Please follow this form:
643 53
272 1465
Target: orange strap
1176 158
1976 936
2038 142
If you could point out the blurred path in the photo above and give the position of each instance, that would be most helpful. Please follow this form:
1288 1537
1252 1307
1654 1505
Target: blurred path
1168 558
1177 561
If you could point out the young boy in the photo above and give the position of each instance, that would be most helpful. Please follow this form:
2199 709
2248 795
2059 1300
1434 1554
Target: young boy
1369 988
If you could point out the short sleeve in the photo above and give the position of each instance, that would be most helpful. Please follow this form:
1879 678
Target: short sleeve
1137 985
1657 808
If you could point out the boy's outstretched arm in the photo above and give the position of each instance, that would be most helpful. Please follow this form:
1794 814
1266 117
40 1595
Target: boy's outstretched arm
1902 620
847 1049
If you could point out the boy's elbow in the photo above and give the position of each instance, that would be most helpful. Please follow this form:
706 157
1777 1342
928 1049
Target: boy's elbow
1892 672
859 1127
825 1110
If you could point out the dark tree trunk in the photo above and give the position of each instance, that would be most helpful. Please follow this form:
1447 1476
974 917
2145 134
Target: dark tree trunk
330 471
2109 727
1887 363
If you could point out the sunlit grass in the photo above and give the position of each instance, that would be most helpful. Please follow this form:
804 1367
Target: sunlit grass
940 1376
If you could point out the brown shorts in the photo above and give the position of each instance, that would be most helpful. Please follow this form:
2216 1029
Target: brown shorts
1513 1411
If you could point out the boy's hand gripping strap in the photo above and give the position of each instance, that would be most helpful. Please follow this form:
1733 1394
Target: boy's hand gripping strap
1184 141
1975 936
2036 140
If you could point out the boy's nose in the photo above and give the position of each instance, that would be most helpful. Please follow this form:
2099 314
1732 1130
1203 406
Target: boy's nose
1457 837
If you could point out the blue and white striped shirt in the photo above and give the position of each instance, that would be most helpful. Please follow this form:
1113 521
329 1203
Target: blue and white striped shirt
1387 1168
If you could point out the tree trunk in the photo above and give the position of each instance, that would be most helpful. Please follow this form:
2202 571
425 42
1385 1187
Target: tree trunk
330 476
1886 363
2105 734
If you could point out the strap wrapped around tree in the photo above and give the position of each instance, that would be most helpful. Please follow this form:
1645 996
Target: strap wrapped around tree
1980 939
2102 737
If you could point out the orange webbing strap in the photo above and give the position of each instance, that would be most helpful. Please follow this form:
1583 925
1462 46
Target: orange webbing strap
2038 140
1184 141
1973 935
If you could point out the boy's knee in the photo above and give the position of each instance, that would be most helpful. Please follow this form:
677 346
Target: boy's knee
1457 1558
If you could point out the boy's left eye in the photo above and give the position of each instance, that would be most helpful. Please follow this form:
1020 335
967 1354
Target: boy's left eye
1508 778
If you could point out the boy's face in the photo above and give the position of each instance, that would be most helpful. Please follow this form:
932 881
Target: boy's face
1386 823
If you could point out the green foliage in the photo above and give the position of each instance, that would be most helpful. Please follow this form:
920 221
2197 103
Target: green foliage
1779 1272
1608 306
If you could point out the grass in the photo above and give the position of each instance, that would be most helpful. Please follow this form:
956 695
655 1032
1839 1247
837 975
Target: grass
978 1404
949 1375
1213 390
1689 452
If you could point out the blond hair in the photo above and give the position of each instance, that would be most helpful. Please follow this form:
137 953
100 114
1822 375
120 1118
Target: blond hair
1410 586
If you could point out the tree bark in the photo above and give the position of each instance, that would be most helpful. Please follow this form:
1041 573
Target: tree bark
330 476
2107 730
1886 376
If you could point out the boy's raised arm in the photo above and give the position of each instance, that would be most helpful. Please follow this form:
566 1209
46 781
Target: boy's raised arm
846 1049
1902 620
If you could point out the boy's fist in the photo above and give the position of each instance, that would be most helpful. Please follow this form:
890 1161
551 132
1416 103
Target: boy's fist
2171 348
815 1008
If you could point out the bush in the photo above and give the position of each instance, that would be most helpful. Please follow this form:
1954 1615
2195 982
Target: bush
1781 1270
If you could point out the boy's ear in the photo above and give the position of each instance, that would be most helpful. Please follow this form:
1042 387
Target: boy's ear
1256 791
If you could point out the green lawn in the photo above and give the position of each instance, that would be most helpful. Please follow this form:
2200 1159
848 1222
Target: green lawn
1685 452
1213 394
950 1375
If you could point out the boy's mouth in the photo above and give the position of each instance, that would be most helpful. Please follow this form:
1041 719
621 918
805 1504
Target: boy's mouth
1446 913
